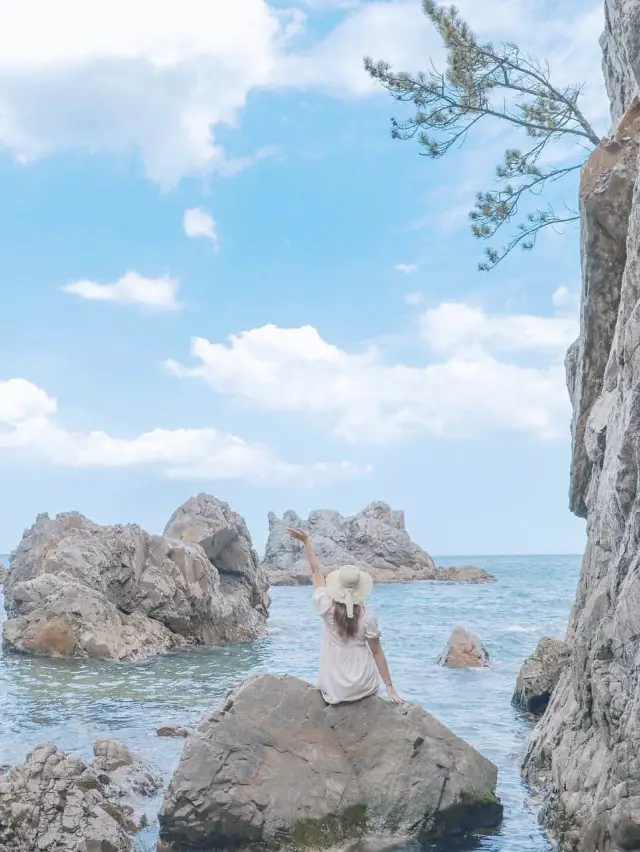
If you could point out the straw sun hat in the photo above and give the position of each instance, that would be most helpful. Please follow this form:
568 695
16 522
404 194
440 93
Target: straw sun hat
350 586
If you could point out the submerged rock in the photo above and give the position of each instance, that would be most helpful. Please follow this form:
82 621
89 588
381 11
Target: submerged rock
116 592
277 766
584 750
540 674
173 731
375 539
464 651
57 801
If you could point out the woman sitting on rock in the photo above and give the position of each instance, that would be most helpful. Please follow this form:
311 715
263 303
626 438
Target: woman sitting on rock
351 654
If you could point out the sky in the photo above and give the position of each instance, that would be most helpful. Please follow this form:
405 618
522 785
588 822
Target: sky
219 273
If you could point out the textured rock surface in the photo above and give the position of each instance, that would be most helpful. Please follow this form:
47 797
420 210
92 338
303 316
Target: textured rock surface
620 44
585 751
3 573
375 539
55 801
173 731
540 674
80 589
225 538
464 651
278 765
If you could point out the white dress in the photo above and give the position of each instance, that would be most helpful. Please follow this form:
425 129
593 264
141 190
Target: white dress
348 671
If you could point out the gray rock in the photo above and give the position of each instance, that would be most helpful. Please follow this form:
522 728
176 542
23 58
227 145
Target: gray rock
175 731
131 776
277 766
3 573
464 651
620 44
80 589
540 674
375 539
55 801
225 538
585 750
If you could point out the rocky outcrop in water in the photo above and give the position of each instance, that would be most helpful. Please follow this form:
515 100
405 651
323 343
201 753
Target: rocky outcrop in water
540 674
585 750
225 538
464 651
55 801
3 573
376 540
276 766
80 589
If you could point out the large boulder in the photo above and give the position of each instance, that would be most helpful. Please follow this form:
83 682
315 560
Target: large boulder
376 539
464 651
225 538
540 674
585 750
55 801
116 592
277 766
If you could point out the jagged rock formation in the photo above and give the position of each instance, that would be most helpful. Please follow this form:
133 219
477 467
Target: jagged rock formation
225 538
278 767
464 651
80 589
585 751
3 573
375 539
539 675
57 801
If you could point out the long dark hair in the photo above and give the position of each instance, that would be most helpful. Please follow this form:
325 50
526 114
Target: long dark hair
346 627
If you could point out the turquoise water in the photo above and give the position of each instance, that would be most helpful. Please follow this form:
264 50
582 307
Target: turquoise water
74 703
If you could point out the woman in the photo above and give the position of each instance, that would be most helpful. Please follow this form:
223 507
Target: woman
352 654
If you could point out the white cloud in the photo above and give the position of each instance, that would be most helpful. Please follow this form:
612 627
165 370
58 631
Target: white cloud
116 77
414 298
407 268
566 298
198 223
158 294
455 327
364 399
28 428
119 77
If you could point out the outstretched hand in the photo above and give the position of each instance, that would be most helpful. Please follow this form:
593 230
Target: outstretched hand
300 535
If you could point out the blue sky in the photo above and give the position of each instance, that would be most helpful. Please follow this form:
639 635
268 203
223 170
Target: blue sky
220 273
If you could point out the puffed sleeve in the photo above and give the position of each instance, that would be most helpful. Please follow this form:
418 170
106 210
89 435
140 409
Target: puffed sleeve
322 602
371 626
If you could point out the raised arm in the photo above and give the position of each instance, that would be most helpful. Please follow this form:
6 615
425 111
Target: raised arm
316 571
383 668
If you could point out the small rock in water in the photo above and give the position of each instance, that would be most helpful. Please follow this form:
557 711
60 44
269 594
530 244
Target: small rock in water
277 766
173 731
464 574
464 651
125 771
540 674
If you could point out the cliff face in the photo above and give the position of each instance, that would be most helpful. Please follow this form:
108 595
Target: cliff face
586 749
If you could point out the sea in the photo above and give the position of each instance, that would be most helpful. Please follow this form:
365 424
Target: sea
72 703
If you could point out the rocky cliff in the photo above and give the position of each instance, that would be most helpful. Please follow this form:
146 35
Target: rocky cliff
585 750
375 539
